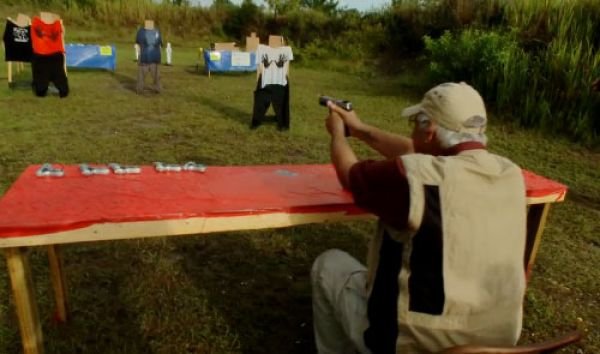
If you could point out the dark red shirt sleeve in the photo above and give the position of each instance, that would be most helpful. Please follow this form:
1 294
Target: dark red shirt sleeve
381 188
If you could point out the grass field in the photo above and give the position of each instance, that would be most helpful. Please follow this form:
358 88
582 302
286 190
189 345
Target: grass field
249 292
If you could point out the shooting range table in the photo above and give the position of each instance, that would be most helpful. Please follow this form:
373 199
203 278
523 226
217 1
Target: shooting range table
48 211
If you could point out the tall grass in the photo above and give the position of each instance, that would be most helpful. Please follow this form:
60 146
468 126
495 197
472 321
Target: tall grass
540 70
183 21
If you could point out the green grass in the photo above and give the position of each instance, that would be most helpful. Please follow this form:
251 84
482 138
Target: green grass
249 291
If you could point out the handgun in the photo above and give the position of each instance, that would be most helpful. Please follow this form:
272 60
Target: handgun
345 105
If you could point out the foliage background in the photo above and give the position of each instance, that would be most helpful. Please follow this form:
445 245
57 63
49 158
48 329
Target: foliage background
248 292
494 45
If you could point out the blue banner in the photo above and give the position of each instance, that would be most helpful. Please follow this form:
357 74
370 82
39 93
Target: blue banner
220 61
91 56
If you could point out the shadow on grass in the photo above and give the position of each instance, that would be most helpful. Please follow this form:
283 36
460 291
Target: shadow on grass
195 69
260 282
127 82
227 110
268 120
237 292
201 70
101 320
588 201
21 85
20 81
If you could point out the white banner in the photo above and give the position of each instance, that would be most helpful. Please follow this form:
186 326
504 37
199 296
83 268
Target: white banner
240 59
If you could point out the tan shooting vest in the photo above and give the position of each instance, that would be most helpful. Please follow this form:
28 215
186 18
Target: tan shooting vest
483 217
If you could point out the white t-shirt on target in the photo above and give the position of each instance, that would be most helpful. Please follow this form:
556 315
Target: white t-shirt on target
275 62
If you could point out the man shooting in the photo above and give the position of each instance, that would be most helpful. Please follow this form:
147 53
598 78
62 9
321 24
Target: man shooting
446 265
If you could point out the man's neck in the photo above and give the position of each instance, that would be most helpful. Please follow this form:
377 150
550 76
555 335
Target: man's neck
458 148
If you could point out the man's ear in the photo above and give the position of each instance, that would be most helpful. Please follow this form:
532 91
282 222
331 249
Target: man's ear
430 133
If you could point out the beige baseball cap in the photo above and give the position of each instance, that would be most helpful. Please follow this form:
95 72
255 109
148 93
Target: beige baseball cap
454 106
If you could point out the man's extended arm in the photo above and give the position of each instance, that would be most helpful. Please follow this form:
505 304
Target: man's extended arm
342 155
388 144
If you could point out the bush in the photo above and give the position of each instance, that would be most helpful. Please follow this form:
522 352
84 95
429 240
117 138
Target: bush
547 89
482 58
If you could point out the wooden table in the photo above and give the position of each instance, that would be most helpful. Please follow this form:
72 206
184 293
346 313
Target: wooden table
48 211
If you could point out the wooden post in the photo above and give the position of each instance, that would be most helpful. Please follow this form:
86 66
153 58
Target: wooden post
536 221
200 59
9 66
24 297
59 283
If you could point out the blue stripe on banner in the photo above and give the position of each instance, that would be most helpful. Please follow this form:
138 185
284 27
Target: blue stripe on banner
91 56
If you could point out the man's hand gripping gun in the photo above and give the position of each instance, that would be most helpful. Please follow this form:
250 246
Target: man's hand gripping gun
345 105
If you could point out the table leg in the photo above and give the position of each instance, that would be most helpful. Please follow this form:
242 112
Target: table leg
24 297
59 283
536 221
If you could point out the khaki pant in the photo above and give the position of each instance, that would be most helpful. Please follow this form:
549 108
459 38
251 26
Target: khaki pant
142 69
339 303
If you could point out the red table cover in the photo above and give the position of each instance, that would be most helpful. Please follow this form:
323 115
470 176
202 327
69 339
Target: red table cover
44 205
538 186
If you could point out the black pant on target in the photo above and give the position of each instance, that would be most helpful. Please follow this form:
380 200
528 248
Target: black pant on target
279 97
46 69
